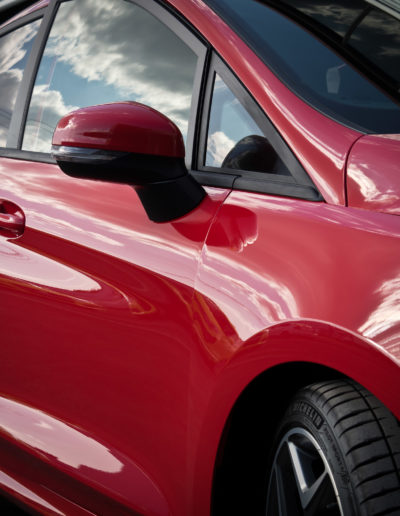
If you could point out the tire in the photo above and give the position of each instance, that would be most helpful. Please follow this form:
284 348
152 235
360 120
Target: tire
336 453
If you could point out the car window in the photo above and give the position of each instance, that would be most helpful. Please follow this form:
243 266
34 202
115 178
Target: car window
378 37
102 51
353 79
15 48
234 138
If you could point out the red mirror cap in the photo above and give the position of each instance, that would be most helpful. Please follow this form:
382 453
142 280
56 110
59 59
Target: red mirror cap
121 126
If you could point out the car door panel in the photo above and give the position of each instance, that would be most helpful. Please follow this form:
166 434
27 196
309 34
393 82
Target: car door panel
97 310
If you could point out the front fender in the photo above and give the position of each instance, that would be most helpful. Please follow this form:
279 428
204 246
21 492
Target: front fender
298 343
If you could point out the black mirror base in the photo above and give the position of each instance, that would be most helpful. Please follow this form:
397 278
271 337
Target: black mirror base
168 200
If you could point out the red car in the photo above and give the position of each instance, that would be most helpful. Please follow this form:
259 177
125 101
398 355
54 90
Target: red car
200 258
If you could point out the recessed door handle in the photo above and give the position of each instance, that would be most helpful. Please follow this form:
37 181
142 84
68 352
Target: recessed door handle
12 219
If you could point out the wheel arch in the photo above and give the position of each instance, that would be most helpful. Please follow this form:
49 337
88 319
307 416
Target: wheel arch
301 353
238 480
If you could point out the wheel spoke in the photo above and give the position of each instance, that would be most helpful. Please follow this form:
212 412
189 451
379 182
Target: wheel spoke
282 498
277 498
302 468
324 501
301 483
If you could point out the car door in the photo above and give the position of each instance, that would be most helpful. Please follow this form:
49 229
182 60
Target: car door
96 313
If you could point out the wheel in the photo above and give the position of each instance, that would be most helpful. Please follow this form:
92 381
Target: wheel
336 453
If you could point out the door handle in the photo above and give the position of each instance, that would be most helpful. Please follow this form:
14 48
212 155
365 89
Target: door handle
12 219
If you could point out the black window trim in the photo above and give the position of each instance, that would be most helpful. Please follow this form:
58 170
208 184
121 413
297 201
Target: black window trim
297 185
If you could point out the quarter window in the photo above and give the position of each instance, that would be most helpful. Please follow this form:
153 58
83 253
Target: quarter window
234 139
15 48
102 51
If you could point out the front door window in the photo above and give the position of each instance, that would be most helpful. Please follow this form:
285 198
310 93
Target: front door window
102 51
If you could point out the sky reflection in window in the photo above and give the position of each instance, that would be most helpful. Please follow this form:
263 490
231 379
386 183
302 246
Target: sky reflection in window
102 51
14 52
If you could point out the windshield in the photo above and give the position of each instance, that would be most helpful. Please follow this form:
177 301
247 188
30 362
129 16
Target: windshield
342 57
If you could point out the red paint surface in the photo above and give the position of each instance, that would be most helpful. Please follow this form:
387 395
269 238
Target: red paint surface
126 343
147 337
95 278
121 126
374 173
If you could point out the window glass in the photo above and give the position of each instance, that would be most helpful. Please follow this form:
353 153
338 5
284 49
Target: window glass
336 16
15 48
326 81
102 51
378 37
234 138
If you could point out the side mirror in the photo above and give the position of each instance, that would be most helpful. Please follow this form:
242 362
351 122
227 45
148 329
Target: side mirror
129 143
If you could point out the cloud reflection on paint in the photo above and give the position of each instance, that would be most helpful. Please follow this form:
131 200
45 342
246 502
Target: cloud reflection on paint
386 315
53 437
58 443
370 189
33 268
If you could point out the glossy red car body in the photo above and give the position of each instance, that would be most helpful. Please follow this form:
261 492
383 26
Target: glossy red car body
120 135
126 344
